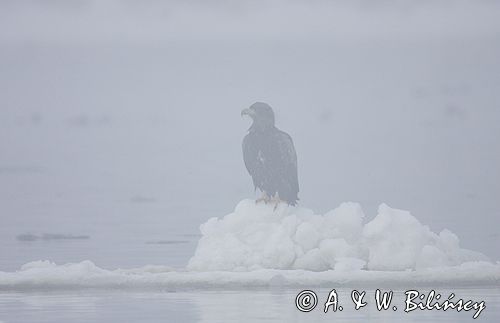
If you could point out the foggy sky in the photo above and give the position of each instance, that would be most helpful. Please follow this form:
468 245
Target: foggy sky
105 102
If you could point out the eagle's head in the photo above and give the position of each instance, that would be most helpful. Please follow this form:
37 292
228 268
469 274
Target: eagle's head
262 115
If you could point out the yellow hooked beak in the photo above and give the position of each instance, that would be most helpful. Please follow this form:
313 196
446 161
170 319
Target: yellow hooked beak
248 112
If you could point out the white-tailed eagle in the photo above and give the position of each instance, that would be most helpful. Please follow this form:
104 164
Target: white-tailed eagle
270 156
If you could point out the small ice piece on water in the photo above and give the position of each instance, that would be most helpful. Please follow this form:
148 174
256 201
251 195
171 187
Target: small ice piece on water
50 236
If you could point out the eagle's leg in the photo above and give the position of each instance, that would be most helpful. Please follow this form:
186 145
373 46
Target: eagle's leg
264 198
276 200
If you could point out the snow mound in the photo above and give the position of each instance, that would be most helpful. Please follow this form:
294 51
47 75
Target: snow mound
257 236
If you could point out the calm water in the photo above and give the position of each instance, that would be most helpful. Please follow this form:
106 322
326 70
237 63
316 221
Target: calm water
219 306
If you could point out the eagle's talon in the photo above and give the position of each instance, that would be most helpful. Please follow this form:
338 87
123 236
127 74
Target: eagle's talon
264 198
277 201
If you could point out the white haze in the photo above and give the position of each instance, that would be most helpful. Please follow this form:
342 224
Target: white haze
121 119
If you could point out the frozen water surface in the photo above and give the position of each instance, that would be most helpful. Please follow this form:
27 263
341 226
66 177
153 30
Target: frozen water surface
232 277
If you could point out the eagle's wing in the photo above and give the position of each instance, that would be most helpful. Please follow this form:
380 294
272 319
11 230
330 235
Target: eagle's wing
290 183
271 160
251 159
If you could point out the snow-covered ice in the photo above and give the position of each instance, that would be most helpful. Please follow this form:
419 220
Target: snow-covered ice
259 247
44 275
